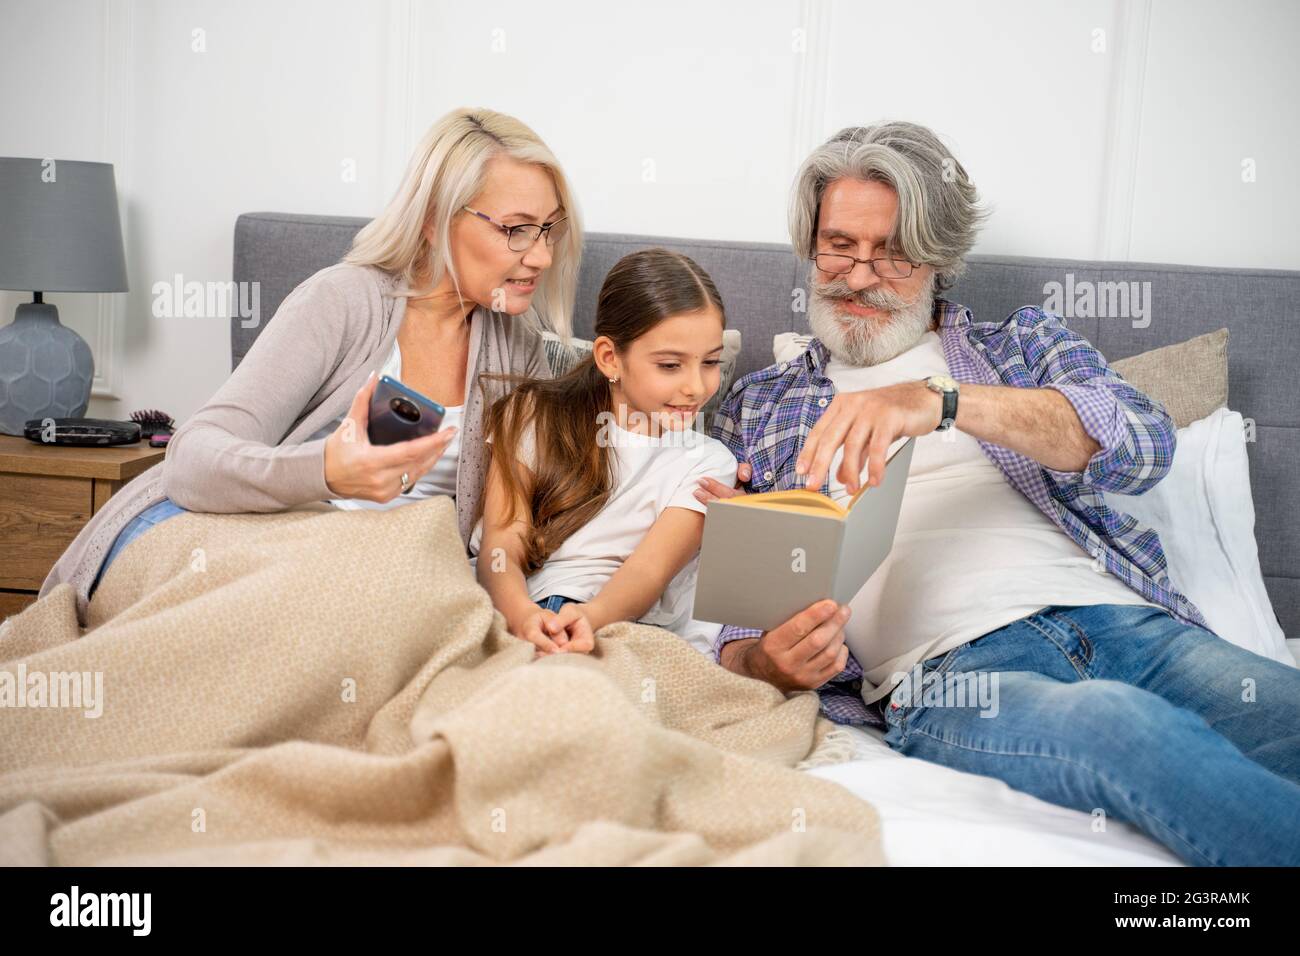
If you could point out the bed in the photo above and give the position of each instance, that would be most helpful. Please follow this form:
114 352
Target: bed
930 814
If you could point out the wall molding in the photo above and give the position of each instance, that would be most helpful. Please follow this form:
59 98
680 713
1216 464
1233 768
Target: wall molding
811 82
1128 82
115 144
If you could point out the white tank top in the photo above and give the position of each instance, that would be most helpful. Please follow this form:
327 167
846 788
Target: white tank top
441 479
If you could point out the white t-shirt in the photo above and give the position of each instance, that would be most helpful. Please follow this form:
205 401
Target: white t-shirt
651 474
971 553
441 479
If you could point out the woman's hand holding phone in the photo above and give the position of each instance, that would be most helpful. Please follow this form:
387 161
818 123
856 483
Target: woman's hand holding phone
354 468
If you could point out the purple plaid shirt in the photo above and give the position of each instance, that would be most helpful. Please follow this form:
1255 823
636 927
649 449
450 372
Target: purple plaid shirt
768 414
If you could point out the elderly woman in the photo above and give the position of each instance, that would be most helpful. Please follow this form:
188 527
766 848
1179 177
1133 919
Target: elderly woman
476 252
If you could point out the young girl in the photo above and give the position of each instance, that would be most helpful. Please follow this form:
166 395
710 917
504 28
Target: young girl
589 514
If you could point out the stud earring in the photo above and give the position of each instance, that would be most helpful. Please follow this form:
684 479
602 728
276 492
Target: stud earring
614 380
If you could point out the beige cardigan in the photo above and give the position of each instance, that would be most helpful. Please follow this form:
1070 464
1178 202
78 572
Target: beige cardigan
250 448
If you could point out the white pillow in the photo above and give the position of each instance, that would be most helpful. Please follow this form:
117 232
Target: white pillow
1205 516
788 346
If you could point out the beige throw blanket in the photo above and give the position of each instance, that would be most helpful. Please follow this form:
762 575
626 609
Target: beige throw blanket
324 686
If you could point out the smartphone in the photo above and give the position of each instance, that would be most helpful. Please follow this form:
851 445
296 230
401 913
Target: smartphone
398 413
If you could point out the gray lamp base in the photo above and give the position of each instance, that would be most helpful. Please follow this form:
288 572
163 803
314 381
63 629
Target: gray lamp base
45 368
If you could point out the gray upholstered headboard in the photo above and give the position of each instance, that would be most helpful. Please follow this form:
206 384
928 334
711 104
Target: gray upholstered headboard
757 282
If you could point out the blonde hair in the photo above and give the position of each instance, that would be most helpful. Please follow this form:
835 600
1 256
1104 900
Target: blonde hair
445 174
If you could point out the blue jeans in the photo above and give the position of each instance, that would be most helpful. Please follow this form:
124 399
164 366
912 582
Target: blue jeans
137 526
1122 709
555 602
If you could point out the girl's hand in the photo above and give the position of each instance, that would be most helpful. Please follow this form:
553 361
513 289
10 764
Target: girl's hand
354 468
577 627
710 489
543 629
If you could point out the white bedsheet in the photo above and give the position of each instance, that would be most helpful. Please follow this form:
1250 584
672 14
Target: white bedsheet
932 815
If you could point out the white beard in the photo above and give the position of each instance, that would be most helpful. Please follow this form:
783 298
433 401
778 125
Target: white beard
862 341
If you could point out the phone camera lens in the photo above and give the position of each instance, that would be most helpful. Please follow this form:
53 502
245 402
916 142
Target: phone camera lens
406 409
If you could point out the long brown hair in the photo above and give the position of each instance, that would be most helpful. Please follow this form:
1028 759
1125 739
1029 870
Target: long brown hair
574 472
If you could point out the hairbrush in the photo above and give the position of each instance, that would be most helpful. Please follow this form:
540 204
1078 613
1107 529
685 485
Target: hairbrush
153 424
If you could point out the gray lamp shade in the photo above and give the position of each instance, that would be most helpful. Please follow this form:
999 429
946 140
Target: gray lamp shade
59 227
59 232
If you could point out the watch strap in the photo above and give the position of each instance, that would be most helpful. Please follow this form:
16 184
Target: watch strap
949 410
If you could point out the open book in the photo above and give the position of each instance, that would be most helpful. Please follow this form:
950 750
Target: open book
768 556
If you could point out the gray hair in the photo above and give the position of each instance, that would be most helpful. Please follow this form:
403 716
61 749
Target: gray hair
938 207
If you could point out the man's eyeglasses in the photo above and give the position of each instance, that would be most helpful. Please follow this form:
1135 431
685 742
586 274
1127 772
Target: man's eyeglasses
838 264
522 238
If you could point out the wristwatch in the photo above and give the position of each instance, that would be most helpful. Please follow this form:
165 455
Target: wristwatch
948 388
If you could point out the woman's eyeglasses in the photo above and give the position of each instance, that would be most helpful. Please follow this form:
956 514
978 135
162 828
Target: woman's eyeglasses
522 238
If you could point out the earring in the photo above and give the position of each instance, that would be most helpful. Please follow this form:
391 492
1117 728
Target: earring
614 380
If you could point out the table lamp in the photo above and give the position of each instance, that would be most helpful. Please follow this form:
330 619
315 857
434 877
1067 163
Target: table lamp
59 232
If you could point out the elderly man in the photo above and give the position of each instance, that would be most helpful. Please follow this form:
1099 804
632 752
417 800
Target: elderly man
1008 567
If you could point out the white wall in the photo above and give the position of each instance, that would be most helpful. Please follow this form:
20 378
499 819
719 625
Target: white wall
1095 129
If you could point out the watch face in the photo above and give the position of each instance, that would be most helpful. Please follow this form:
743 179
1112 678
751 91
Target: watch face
942 383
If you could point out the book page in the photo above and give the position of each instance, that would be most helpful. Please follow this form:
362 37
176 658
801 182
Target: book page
797 498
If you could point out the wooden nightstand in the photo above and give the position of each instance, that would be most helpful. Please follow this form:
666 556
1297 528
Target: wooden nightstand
47 493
